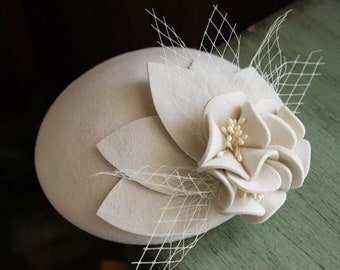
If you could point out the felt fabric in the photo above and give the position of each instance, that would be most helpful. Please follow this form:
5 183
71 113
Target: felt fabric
178 96
102 100
254 122
292 161
255 87
218 72
285 174
286 115
253 159
266 181
281 133
223 106
146 138
139 214
271 202
111 107
272 159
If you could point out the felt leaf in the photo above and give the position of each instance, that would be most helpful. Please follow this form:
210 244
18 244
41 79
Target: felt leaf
287 115
179 97
285 173
136 209
254 127
216 141
226 193
281 133
245 206
293 162
303 151
271 201
255 87
225 106
267 180
253 159
266 106
142 143
227 162
217 70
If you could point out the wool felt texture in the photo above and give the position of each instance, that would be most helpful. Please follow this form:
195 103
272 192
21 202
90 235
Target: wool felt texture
111 107
102 100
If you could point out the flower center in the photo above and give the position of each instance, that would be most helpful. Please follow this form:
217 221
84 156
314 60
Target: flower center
234 137
255 196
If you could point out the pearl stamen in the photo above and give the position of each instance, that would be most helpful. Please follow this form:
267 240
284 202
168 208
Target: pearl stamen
234 137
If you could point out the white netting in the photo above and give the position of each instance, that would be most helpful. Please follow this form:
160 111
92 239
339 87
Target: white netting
177 54
170 180
215 33
190 193
183 219
192 214
290 79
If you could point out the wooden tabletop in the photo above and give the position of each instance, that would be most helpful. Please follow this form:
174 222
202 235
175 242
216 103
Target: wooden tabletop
305 232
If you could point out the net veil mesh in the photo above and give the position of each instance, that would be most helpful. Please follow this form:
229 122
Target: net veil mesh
191 194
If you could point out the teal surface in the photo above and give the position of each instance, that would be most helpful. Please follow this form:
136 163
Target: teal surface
305 232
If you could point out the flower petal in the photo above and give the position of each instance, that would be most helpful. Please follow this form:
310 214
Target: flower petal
285 173
224 106
227 162
293 162
254 127
246 206
271 201
281 133
142 143
287 115
253 159
256 87
267 106
226 193
179 102
267 180
303 151
216 142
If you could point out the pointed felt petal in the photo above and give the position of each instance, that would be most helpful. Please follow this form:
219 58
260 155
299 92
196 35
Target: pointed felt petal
179 96
136 209
227 162
226 193
217 70
253 159
285 173
271 202
246 206
281 133
142 143
255 86
225 106
254 127
266 181
303 151
293 162
287 115
264 106
216 142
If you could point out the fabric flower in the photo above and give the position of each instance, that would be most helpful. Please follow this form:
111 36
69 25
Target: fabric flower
266 154
257 152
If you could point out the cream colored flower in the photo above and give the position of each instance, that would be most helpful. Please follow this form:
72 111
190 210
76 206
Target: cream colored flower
256 151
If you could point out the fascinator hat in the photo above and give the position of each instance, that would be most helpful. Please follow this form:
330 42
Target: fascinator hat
158 146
